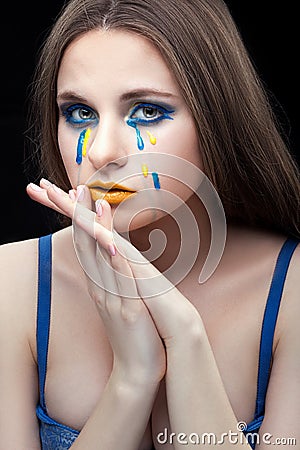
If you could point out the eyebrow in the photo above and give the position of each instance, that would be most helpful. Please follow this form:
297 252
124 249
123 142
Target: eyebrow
130 95
71 96
139 93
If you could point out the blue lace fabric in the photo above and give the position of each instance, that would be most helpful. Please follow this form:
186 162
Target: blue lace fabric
56 436
53 435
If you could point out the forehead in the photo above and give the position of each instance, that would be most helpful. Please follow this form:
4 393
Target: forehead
116 59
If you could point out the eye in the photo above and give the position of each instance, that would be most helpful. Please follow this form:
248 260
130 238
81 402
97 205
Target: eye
78 114
144 113
149 112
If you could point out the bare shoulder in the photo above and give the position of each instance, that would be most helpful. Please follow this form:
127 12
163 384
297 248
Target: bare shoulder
13 252
282 403
18 374
18 282
293 274
251 257
18 262
290 302
261 250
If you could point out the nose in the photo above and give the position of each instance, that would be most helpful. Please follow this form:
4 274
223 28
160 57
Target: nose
108 145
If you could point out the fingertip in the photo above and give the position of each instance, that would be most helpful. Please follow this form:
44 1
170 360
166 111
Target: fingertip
83 197
34 187
80 193
72 195
45 183
106 206
112 250
99 208
102 208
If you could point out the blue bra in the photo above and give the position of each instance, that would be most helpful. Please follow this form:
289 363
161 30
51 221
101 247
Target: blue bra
56 436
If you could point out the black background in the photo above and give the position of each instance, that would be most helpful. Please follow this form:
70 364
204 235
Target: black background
269 32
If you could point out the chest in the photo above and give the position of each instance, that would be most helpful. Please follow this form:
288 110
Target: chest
80 359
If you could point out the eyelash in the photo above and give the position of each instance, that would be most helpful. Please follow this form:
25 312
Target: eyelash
165 114
68 112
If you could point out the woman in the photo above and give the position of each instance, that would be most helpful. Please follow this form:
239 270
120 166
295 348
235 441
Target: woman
98 349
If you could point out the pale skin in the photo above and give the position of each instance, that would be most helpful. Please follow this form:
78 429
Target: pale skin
122 370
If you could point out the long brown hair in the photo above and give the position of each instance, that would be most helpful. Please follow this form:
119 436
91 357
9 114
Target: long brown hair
242 149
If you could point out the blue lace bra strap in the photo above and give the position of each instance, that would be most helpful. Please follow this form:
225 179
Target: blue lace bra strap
43 309
269 322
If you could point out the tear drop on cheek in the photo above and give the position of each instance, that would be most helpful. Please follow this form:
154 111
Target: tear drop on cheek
139 139
140 142
145 170
85 141
79 147
156 181
152 138
82 145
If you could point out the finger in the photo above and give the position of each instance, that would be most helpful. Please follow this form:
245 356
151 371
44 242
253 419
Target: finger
168 307
92 247
116 271
124 277
85 218
121 295
40 195
103 213
150 281
112 303
84 243
60 199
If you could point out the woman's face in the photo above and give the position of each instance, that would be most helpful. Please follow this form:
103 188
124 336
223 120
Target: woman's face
117 85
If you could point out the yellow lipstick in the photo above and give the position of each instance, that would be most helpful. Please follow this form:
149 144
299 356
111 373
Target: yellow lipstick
113 193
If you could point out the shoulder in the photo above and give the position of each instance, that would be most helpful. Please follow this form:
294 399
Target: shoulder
18 262
14 249
293 273
18 287
282 402
258 253
290 302
18 374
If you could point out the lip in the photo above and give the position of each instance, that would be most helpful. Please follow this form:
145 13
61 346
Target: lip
113 193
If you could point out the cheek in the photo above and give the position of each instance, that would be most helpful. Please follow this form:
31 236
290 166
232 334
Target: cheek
67 145
188 145
182 143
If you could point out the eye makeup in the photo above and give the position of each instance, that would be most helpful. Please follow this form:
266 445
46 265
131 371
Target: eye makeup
139 139
77 115
151 137
82 149
148 114
85 141
145 170
141 114
156 181
82 145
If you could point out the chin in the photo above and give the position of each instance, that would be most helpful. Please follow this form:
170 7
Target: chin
126 220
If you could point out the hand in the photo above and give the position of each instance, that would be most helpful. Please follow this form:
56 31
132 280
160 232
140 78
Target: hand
139 355
175 318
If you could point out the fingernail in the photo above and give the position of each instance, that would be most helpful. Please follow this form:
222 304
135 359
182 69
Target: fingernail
99 209
57 189
112 249
46 182
72 195
35 187
80 193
